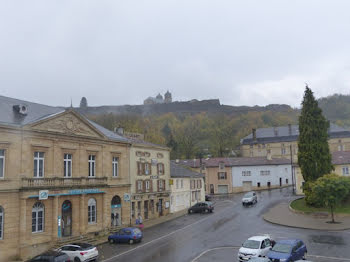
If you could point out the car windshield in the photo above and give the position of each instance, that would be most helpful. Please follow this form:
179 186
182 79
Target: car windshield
281 248
253 244
250 194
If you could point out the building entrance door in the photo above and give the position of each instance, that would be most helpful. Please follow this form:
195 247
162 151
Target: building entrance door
211 189
280 181
116 211
160 207
66 218
145 209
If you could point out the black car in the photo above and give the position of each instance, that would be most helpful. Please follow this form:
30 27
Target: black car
201 207
51 256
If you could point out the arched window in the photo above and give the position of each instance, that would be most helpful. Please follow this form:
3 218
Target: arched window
1 223
38 216
92 210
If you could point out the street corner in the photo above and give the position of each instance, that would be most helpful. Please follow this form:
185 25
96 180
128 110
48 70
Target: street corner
282 214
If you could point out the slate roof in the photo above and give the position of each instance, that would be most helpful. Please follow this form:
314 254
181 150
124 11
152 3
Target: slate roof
37 112
177 170
143 142
341 157
284 134
234 161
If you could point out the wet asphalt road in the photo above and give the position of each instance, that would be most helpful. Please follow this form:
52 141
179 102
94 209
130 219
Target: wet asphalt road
217 236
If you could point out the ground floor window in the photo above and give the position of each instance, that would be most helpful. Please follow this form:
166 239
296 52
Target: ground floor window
286 180
38 217
1 223
92 210
268 184
258 184
138 208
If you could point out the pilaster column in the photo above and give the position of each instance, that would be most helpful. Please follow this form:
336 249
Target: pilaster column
55 213
23 222
82 214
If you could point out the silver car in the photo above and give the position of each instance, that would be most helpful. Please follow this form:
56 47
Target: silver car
249 198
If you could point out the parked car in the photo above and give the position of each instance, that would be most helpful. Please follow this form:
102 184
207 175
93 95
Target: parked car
249 198
208 197
256 246
287 250
126 235
80 252
259 259
201 207
51 256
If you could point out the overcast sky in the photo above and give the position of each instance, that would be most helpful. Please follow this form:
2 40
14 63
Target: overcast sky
119 52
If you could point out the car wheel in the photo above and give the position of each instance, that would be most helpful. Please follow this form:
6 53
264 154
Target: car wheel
131 241
304 256
76 259
111 240
190 211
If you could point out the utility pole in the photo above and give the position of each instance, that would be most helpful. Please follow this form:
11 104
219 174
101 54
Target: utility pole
291 166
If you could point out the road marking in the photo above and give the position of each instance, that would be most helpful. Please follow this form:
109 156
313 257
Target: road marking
154 240
211 249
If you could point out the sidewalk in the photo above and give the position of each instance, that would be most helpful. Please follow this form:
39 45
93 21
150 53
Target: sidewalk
281 214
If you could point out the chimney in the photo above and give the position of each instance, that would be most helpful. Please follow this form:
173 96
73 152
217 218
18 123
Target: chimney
275 131
254 134
269 156
290 129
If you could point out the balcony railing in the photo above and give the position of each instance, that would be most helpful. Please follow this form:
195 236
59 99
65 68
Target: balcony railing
60 182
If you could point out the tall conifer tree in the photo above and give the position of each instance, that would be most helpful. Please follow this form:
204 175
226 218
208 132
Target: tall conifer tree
314 157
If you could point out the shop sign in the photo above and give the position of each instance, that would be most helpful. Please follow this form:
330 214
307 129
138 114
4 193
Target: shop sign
137 197
43 194
151 196
84 191
154 177
127 197
116 206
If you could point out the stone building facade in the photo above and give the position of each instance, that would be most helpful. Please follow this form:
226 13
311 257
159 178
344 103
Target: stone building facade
149 179
61 175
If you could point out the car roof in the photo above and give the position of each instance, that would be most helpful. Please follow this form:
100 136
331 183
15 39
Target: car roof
288 241
83 245
51 253
258 238
129 228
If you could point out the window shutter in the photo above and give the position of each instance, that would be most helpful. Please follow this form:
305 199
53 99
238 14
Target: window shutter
218 176
163 170
150 169
158 169
144 185
157 185
137 188
150 185
138 168
225 175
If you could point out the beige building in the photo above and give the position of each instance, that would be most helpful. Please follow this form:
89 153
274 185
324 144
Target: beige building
149 178
61 175
282 142
341 163
187 187
217 172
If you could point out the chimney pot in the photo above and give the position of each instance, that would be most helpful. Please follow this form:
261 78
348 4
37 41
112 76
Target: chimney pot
254 134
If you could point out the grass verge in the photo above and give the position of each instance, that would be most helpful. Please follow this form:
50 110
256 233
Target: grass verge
300 205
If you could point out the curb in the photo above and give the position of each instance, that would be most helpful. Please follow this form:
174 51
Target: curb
300 226
290 226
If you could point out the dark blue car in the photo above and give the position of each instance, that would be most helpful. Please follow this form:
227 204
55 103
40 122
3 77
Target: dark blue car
287 251
126 235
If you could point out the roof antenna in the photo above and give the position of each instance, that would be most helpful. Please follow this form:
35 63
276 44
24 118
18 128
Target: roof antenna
71 103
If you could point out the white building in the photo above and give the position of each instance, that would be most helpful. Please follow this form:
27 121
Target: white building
187 187
258 173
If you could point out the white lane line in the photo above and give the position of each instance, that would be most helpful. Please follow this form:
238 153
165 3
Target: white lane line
154 240
333 258
211 249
